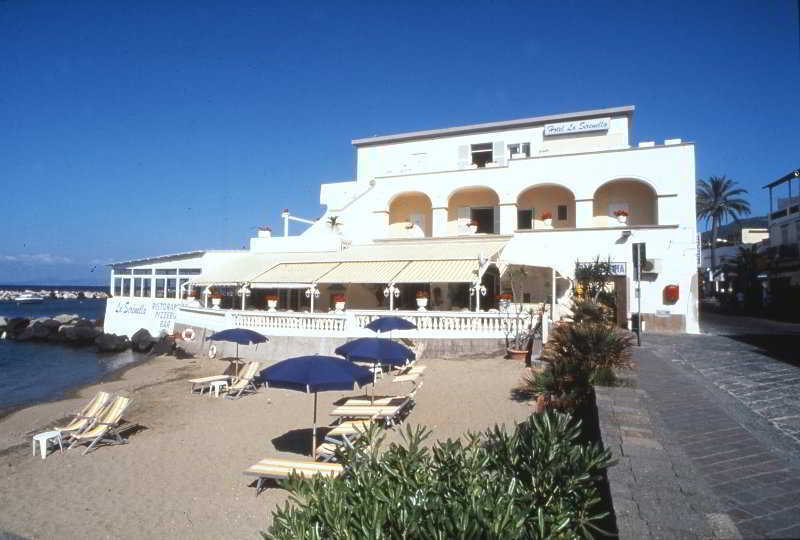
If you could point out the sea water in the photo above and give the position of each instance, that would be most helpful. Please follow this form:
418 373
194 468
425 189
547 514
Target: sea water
33 372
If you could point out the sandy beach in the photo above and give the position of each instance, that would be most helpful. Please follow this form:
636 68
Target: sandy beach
180 476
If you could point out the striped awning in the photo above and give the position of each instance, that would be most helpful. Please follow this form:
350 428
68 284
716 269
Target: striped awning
364 272
453 271
294 273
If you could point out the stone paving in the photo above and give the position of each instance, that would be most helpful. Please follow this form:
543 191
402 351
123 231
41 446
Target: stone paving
724 411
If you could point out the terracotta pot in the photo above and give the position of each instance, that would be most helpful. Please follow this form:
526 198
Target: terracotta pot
515 354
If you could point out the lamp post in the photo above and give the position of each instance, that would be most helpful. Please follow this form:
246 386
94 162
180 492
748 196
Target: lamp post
391 292
244 291
312 293
206 292
477 290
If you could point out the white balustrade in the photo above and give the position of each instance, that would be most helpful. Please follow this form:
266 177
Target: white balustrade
352 323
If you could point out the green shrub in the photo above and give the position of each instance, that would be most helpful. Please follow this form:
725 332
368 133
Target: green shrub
590 345
586 311
538 481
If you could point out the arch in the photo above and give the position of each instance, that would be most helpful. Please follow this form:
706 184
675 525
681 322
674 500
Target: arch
548 197
410 215
475 198
636 196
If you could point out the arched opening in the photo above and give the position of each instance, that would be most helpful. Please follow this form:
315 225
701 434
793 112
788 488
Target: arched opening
410 216
473 210
633 197
536 203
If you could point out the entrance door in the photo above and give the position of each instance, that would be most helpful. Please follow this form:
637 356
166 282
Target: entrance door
621 293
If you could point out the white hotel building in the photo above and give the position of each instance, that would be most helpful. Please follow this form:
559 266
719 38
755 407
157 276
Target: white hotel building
458 214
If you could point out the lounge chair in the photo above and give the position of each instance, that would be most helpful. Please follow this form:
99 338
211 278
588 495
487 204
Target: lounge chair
244 384
281 468
347 430
106 426
389 413
82 419
199 385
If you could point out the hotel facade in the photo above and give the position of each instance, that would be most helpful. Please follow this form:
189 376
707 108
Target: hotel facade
441 226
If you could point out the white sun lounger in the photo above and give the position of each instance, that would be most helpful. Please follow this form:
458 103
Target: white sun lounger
106 428
281 468
199 385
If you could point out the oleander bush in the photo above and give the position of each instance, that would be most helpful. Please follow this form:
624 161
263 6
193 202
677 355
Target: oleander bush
537 481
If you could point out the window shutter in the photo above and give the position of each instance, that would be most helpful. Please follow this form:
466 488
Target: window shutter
496 226
463 156
463 219
499 153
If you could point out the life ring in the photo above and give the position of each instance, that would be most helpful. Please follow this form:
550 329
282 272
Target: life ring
212 352
188 334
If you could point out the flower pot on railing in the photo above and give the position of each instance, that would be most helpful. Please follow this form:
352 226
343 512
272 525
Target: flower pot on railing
339 306
215 302
422 303
622 219
548 222
271 305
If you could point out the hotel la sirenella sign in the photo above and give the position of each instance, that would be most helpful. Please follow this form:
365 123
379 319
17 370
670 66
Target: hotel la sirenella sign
578 126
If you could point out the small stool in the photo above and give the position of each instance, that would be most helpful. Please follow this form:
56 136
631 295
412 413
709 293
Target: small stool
217 385
43 439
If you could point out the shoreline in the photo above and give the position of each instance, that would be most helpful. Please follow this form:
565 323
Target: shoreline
73 391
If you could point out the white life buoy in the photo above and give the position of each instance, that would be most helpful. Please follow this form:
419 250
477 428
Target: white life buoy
188 334
212 352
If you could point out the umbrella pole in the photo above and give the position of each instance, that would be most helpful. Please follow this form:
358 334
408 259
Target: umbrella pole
237 359
314 431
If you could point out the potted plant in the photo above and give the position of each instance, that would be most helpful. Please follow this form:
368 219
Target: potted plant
422 300
472 226
272 302
504 300
621 215
216 299
547 218
339 302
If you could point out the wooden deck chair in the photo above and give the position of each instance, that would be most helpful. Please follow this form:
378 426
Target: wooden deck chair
106 427
281 468
244 384
82 419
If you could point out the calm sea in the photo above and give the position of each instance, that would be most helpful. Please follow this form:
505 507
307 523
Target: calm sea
34 372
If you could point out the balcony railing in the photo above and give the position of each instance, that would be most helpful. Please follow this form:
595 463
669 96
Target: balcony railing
352 323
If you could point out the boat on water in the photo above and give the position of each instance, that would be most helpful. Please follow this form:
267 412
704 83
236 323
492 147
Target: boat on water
29 298
455 230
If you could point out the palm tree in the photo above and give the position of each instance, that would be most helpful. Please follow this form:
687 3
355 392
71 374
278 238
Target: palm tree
718 201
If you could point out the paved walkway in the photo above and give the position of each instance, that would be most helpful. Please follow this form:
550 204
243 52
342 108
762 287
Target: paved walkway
709 434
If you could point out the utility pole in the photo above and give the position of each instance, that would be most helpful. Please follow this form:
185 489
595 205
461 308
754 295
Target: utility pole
638 254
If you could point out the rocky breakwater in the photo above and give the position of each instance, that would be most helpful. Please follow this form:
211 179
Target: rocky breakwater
11 296
76 331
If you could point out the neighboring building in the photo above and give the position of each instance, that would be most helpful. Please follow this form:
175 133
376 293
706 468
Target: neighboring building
460 215
784 231
730 238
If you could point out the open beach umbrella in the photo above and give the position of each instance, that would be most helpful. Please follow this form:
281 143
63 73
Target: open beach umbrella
316 374
240 336
377 351
387 324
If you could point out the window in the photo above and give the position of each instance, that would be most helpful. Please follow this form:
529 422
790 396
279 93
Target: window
417 221
562 212
137 287
519 150
525 218
142 271
481 154
484 217
122 271
181 283
189 271
126 286
160 287
166 271
146 287
172 291
785 234
118 286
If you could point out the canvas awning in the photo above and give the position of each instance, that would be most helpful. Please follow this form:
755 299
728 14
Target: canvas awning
297 274
364 272
236 268
450 271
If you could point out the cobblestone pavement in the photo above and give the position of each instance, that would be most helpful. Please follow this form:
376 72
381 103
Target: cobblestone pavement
730 401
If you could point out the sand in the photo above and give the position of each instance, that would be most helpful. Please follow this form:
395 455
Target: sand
180 476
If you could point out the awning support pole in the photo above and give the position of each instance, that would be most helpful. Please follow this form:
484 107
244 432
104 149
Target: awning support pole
553 295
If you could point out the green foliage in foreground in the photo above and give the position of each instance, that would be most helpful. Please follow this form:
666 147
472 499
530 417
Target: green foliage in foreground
537 482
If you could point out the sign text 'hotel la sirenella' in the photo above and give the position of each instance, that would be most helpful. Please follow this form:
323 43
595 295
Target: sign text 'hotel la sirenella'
578 126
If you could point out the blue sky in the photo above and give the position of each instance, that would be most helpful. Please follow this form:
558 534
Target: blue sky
151 128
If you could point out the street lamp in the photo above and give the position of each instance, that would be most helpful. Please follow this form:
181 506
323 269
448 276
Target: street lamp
391 292
312 293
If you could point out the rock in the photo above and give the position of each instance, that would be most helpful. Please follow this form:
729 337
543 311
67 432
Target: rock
79 335
15 325
66 319
39 329
51 324
83 322
142 341
165 345
111 343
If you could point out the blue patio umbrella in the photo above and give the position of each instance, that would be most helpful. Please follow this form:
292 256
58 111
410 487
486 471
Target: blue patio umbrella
389 323
376 350
240 336
316 374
